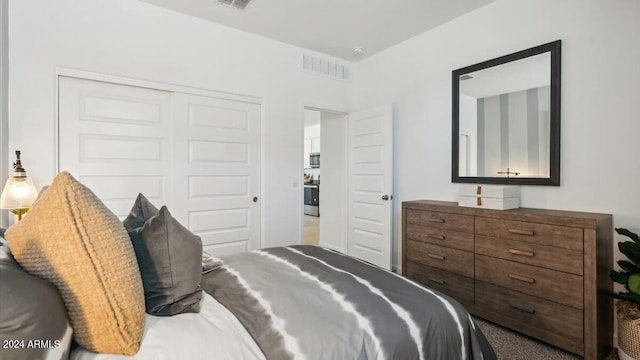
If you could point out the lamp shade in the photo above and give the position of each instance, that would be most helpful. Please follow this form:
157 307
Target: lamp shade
18 193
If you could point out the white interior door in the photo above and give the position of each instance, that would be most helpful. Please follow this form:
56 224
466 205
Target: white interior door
219 163
199 155
370 184
115 139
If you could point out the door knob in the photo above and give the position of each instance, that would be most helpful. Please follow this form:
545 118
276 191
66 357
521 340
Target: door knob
255 199
387 197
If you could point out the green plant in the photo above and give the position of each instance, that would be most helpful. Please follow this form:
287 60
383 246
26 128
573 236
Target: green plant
630 274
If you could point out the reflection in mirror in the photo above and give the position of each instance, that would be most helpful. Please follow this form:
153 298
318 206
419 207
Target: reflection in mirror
505 109
506 119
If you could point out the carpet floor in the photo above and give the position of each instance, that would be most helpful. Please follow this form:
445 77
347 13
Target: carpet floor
510 345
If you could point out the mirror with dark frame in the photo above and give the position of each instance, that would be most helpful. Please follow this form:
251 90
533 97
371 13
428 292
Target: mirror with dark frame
506 119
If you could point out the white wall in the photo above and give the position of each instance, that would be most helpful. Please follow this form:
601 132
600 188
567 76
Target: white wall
4 120
600 76
137 40
333 212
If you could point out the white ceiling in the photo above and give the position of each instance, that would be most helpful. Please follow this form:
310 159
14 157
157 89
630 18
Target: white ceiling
527 73
331 27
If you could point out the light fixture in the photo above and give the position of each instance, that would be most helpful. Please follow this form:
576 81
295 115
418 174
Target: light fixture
19 192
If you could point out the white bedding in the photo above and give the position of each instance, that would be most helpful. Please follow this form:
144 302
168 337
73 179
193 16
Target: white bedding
213 333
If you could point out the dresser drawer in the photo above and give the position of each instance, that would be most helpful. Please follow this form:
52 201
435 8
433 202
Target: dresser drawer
529 253
544 234
546 320
457 286
552 285
444 237
453 260
446 221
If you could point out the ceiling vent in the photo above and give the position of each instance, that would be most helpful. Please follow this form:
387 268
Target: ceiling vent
236 4
325 67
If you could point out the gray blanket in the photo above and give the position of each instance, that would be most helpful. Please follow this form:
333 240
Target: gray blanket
306 302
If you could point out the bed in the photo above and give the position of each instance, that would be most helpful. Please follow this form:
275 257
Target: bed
307 302
143 287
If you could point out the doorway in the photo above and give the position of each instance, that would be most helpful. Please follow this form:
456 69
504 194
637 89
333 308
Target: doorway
324 194
353 166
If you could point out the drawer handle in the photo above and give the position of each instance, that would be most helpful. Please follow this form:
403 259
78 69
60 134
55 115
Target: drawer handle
522 232
523 308
435 220
437 237
522 252
434 256
441 282
522 278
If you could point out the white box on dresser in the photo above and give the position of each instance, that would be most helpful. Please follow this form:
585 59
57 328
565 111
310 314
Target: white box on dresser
496 197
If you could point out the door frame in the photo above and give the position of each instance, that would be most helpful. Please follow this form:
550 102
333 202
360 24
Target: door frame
155 85
312 105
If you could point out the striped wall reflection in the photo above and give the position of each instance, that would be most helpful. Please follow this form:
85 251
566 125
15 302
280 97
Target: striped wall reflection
513 133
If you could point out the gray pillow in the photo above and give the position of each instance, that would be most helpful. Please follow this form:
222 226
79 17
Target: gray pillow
33 318
169 257
141 211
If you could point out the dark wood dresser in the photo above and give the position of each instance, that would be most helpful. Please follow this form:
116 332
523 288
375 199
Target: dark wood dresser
543 273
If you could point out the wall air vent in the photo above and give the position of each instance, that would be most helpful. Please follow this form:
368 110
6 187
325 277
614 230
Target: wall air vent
325 67
465 77
236 4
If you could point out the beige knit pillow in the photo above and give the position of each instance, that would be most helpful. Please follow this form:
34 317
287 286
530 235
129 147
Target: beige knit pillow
71 239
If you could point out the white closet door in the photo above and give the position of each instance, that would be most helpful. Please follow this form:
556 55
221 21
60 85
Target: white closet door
115 139
218 158
198 155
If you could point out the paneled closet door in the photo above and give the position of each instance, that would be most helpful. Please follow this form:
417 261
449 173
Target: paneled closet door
218 159
115 139
199 155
